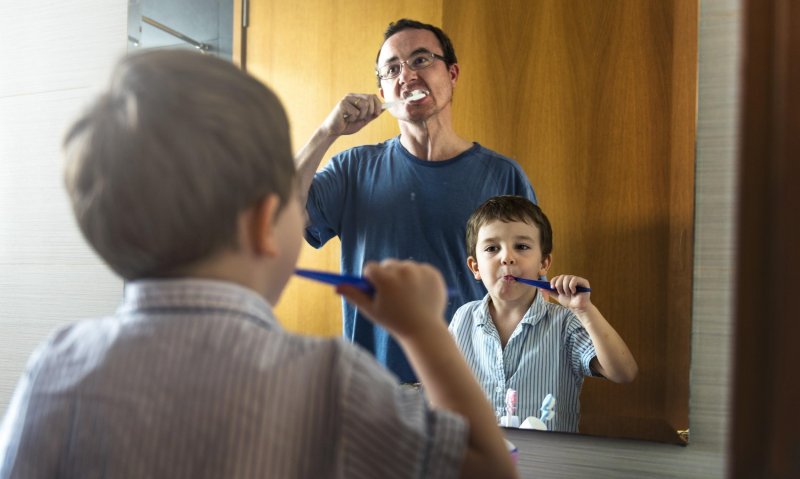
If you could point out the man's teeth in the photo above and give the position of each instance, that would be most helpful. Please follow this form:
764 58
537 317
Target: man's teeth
408 94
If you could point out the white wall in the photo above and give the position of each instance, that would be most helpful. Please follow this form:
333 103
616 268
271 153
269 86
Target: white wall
55 53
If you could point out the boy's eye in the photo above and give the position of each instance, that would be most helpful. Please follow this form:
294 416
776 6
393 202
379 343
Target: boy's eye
523 246
490 249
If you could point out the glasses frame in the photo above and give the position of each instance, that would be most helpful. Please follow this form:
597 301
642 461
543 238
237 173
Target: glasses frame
404 63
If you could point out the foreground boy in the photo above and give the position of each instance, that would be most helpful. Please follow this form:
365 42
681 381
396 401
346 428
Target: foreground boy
514 338
182 179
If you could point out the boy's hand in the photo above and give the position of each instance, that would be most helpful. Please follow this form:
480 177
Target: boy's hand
409 297
566 294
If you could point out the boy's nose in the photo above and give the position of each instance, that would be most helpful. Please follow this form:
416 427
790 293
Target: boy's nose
508 259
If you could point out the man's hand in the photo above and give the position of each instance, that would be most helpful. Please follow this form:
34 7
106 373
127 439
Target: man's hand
351 114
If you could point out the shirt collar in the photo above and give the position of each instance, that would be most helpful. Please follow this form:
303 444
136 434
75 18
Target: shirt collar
535 313
163 295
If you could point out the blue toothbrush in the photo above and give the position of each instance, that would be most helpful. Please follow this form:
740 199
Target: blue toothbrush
357 281
546 285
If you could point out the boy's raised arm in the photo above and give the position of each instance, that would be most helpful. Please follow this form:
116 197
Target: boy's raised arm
410 302
614 359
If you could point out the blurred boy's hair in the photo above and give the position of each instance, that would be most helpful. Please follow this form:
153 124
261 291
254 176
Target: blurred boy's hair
159 167
508 208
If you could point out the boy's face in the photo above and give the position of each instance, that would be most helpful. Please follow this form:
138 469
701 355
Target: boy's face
504 250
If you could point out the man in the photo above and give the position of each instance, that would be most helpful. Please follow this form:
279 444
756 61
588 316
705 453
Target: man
408 197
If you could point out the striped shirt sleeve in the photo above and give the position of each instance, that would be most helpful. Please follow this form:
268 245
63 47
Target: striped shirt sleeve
391 432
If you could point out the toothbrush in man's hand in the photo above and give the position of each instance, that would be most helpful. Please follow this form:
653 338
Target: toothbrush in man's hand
415 95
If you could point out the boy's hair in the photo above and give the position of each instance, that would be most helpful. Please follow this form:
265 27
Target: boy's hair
508 208
448 52
160 166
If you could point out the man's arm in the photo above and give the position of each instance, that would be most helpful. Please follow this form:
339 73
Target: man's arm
352 113
409 302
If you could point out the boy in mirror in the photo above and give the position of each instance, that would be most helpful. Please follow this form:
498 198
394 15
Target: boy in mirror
514 338
181 178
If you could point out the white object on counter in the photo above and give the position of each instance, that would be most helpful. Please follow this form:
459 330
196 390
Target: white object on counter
533 422
509 421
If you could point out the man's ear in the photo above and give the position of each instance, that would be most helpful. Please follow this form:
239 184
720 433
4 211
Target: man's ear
454 71
547 260
472 263
262 227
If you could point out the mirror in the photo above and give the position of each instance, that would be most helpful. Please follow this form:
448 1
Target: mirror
595 100
205 25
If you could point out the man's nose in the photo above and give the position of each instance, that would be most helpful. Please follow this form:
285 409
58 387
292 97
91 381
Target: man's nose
407 74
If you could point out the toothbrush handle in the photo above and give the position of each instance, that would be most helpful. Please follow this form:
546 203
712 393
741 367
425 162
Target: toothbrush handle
391 104
384 106
546 285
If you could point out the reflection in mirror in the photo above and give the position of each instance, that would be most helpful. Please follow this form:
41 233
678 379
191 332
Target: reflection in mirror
206 25
530 355
595 100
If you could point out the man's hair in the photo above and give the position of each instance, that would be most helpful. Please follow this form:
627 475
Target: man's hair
162 163
508 208
448 52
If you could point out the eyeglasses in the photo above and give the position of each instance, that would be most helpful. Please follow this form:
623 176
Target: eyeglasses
418 61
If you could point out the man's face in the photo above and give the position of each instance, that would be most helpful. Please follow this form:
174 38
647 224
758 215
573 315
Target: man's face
437 80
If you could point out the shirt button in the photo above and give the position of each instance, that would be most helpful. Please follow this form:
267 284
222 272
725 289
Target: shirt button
498 389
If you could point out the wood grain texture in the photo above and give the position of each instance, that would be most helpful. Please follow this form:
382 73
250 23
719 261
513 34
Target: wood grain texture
596 101
768 273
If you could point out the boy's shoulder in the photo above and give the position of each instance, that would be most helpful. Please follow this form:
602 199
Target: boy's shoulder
471 313
89 343
558 316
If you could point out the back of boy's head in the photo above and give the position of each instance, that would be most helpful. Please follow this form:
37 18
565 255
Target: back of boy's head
508 208
160 166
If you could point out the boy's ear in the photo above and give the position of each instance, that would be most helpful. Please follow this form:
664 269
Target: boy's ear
547 260
472 263
262 228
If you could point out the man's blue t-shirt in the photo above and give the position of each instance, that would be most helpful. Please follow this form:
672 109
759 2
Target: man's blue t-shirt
383 202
